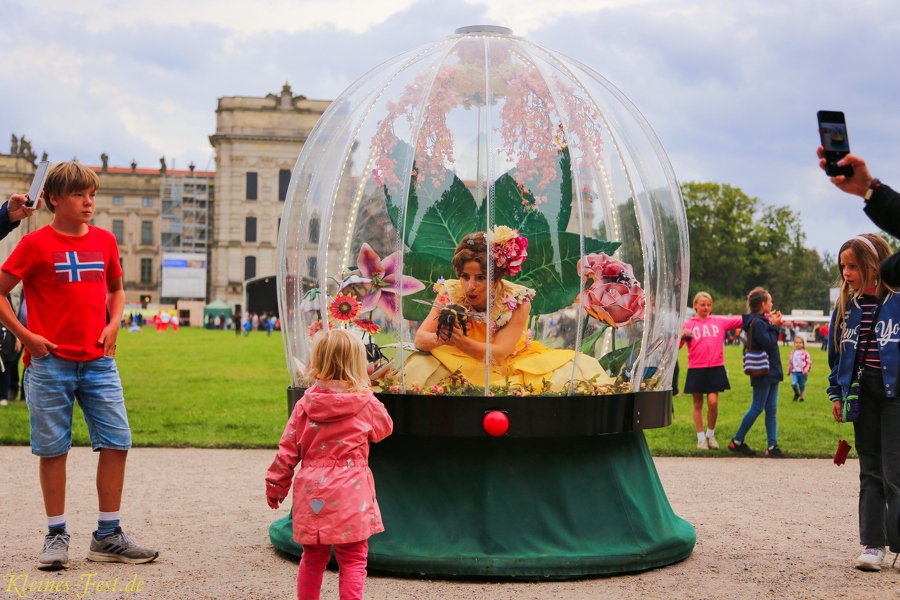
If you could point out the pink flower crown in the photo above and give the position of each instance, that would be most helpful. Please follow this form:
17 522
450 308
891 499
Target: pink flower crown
509 249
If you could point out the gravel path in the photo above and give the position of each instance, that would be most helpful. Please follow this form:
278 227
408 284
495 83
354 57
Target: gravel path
765 529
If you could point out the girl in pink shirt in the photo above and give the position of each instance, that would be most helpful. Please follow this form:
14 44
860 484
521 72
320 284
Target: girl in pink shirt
704 335
328 434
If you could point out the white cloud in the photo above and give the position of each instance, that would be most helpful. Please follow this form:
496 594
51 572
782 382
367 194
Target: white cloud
245 19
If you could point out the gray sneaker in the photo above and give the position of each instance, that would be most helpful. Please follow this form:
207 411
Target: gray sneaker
56 552
118 547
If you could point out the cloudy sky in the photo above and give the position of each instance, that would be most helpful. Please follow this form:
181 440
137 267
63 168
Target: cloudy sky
731 87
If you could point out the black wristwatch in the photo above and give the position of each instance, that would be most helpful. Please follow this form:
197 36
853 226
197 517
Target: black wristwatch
872 187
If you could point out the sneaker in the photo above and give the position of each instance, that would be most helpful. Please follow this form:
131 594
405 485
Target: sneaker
118 547
713 444
740 448
703 444
775 452
3 402
56 552
870 559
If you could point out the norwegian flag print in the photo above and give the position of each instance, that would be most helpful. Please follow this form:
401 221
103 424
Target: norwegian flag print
78 266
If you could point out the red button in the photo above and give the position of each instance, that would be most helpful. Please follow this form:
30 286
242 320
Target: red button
496 423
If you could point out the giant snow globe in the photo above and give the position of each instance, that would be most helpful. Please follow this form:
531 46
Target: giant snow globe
503 229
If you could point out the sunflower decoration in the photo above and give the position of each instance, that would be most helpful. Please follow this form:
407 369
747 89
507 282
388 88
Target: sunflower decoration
344 308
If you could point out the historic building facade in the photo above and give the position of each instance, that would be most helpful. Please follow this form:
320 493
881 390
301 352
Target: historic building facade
256 144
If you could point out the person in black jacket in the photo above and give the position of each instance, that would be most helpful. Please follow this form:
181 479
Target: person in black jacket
882 206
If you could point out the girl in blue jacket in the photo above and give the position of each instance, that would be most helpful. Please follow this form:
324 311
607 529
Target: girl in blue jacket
762 325
863 347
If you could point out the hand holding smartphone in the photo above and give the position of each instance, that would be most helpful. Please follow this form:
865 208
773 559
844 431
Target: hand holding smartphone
833 134
37 184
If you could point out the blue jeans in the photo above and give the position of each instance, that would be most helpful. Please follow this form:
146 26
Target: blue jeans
878 447
765 398
798 380
52 385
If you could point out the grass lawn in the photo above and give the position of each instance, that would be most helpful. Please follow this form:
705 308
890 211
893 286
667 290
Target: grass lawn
202 388
805 429
212 389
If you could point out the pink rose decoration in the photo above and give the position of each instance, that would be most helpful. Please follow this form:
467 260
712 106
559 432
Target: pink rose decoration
614 303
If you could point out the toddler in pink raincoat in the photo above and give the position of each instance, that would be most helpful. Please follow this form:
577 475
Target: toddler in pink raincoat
334 491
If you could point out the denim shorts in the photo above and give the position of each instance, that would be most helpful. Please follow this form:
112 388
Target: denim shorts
52 385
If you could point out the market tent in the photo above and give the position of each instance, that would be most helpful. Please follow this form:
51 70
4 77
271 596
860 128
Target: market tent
216 308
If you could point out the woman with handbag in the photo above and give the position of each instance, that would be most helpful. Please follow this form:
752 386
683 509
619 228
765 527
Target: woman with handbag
864 357
762 361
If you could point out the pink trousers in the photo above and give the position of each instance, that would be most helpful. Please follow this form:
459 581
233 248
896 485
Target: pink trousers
351 559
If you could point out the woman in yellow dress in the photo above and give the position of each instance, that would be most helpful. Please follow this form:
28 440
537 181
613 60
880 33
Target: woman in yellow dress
515 359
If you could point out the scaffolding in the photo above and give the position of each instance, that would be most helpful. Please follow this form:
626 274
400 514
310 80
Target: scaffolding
185 213
185 231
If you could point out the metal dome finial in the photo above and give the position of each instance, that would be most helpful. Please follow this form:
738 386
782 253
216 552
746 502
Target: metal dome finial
484 29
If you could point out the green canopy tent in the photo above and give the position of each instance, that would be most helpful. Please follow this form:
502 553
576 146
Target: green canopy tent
216 308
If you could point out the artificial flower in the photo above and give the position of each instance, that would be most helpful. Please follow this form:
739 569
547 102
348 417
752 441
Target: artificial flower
509 249
316 326
614 303
344 308
383 281
503 234
367 325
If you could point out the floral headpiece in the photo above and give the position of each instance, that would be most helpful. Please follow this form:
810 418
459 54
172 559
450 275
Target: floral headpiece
508 249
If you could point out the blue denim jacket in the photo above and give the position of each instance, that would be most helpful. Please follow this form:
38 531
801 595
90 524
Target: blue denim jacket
887 332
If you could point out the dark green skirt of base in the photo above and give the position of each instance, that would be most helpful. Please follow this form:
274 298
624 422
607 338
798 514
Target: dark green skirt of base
526 508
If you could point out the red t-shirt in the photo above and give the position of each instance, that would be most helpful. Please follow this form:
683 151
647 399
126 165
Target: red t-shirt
65 281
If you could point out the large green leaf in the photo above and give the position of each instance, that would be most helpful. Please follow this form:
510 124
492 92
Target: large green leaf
515 207
509 210
446 221
565 190
551 268
427 268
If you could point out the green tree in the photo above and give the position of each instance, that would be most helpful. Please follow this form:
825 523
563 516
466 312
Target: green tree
738 243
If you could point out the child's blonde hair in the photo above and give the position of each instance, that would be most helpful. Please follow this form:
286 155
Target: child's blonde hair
867 261
66 178
339 355
700 296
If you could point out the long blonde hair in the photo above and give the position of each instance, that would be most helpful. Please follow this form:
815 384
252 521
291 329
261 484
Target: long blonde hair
339 355
868 261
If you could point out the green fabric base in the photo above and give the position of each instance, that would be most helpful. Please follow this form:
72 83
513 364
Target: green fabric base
538 508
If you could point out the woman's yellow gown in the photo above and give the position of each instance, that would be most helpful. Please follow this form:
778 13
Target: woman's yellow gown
530 363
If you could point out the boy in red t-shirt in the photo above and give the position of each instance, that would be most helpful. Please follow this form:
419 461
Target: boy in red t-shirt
71 276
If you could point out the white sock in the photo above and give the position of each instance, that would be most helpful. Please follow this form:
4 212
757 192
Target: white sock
57 522
701 436
710 433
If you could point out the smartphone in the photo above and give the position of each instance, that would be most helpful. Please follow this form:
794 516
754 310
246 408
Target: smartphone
833 133
37 184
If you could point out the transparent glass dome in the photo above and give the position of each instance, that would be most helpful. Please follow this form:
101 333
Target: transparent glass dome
480 132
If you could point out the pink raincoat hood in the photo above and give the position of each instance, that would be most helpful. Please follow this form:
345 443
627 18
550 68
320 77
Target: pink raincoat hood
326 406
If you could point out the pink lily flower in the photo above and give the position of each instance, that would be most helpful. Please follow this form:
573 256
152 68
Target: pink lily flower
383 281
